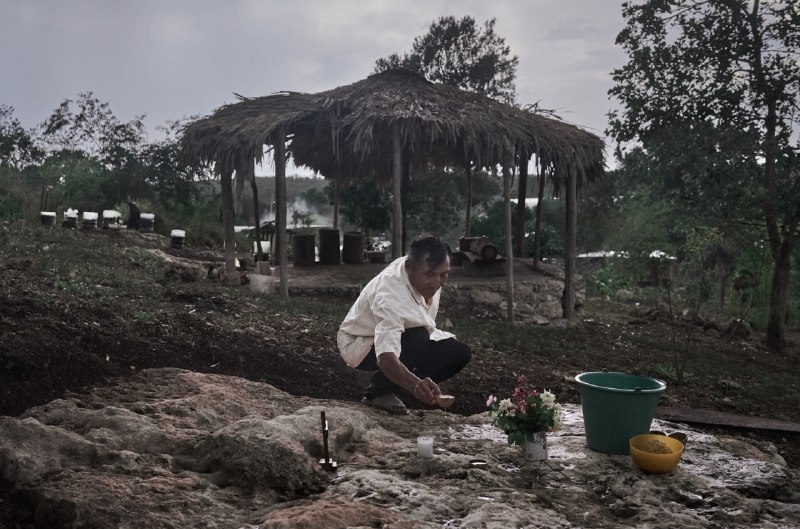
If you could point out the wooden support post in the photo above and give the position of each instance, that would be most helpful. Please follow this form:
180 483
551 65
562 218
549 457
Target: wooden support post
537 230
468 220
522 194
227 224
568 300
280 208
507 177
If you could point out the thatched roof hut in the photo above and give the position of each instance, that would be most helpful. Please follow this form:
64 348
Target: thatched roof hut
364 129
352 126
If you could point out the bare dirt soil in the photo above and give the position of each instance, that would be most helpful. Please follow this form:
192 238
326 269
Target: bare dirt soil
79 308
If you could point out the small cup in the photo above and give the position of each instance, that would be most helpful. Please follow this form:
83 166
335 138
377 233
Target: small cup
425 447
445 401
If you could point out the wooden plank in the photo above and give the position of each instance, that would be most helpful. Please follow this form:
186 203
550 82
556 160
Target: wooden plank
721 418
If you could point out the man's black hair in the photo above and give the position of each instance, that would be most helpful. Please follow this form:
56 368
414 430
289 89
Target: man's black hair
429 248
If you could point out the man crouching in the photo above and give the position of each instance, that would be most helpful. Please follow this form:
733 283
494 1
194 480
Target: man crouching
391 329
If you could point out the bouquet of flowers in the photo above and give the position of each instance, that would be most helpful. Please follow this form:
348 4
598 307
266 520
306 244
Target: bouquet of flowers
527 411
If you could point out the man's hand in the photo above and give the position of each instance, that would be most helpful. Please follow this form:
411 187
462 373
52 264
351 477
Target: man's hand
426 391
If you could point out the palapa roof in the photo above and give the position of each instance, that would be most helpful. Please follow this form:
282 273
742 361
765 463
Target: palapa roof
348 130
237 132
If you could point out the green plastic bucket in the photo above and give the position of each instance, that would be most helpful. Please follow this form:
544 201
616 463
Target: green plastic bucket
617 407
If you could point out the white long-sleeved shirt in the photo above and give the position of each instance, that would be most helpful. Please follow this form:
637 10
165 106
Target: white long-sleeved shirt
387 306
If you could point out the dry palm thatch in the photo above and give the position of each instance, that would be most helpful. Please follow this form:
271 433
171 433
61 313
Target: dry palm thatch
235 134
359 128
562 147
445 125
348 129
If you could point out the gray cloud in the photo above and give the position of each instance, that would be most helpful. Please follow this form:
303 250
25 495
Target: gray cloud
175 58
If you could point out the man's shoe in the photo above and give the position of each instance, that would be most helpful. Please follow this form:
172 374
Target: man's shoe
388 403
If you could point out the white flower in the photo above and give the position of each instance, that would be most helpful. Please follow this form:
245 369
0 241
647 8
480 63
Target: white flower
548 399
505 406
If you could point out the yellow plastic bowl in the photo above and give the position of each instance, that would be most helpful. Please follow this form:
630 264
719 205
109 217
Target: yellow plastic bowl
644 451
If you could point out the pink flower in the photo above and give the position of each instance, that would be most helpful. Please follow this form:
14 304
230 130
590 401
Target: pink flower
491 400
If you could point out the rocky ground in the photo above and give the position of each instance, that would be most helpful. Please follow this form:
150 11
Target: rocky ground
92 309
170 448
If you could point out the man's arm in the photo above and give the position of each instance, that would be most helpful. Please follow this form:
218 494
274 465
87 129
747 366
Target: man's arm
424 390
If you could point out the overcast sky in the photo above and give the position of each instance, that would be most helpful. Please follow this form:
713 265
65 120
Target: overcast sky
170 59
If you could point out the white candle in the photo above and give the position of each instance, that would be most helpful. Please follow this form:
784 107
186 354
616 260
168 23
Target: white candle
425 447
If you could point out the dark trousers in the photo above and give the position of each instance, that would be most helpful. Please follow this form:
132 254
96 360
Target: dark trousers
422 356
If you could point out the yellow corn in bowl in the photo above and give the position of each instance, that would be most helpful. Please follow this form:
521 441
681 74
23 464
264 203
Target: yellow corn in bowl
655 454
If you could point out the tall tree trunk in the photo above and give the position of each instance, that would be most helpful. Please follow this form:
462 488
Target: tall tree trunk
779 295
227 225
280 208
256 212
780 244
521 196
397 209
537 230
468 220
568 300
507 177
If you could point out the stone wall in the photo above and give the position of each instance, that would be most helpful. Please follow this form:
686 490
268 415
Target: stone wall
537 298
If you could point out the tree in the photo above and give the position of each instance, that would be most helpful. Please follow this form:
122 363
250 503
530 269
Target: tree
165 175
88 124
365 206
710 93
459 53
73 179
17 146
436 200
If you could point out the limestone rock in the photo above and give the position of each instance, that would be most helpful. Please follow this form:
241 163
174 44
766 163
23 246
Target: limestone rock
171 448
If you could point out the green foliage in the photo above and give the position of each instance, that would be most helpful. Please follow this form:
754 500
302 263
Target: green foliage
709 99
701 243
607 280
164 175
200 217
88 124
316 198
302 219
17 146
95 162
74 180
14 193
459 53
366 206
437 201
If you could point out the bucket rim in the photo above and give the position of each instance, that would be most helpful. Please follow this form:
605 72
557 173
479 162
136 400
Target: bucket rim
661 384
